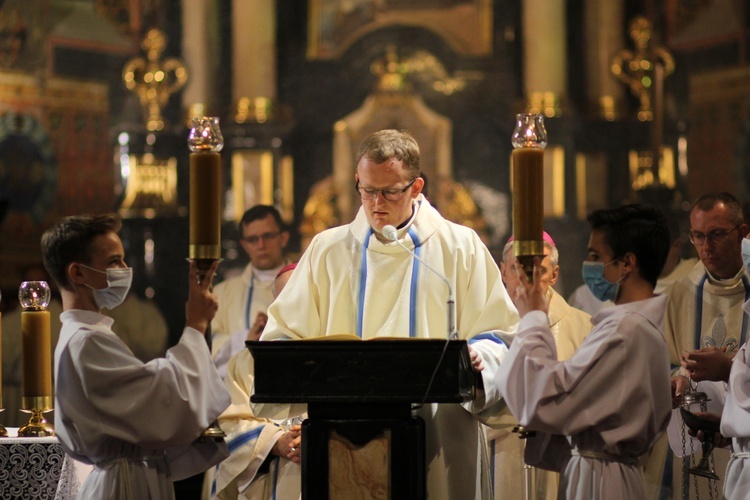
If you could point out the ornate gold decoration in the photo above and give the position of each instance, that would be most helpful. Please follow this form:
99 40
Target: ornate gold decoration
154 79
637 68
150 187
395 74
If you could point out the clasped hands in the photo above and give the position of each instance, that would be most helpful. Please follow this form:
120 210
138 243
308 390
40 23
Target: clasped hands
289 444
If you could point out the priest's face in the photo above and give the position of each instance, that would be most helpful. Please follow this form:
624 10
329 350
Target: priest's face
387 191
264 242
718 240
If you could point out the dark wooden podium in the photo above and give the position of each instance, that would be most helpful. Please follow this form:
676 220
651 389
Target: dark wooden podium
361 391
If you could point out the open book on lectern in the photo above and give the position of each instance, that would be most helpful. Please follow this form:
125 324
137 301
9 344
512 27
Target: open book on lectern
345 368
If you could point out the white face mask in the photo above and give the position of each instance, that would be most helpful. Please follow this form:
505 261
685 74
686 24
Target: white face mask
118 286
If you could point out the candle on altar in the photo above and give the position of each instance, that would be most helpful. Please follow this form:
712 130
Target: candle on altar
205 141
35 341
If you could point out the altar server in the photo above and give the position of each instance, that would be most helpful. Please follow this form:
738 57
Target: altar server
603 408
138 423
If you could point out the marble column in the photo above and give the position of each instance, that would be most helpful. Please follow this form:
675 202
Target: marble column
603 24
200 50
545 55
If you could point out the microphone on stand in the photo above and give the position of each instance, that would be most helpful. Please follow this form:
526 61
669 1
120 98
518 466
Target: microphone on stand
391 233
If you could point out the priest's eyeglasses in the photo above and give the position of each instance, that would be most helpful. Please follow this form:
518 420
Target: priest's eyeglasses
255 239
388 194
715 236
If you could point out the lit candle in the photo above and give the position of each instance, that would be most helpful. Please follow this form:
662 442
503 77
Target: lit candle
205 188
527 159
36 344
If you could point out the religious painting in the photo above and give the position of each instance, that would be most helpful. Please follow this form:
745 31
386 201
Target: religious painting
698 24
335 24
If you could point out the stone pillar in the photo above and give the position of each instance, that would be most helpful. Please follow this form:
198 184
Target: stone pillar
200 48
544 55
253 49
603 22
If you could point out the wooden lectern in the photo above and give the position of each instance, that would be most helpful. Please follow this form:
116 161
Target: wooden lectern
360 396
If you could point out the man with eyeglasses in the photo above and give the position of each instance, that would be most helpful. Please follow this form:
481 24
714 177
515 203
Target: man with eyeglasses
243 299
705 307
352 279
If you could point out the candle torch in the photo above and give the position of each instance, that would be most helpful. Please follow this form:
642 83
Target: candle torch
205 141
527 160
34 297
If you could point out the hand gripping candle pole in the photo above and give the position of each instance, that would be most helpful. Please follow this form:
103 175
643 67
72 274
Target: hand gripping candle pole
34 297
205 142
527 159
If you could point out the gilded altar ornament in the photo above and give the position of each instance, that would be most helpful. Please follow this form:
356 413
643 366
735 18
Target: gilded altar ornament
527 164
638 68
152 79
421 67
34 297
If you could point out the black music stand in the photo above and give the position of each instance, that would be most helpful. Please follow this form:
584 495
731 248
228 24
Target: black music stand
359 390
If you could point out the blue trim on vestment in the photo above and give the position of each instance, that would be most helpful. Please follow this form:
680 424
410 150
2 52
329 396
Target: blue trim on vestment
414 281
363 282
698 327
487 336
243 438
249 301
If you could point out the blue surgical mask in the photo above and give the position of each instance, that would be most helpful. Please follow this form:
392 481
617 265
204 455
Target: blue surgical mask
746 254
118 286
601 288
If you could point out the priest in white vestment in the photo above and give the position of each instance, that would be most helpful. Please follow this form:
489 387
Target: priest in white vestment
264 460
704 309
714 364
602 409
243 299
138 423
354 280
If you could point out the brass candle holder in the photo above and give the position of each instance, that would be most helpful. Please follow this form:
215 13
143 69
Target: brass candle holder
527 174
205 141
34 297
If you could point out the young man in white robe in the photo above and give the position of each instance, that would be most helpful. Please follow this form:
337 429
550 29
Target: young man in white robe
138 423
354 280
264 460
602 409
569 327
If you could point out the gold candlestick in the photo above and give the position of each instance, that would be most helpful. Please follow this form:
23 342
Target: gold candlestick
527 160
37 358
205 141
